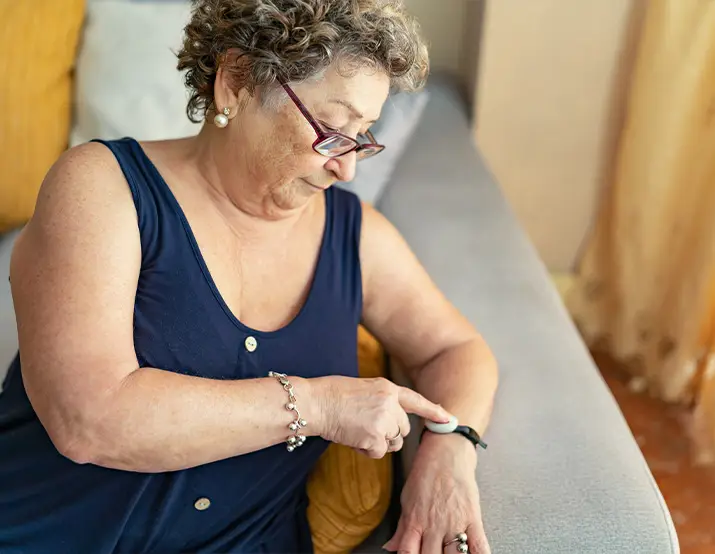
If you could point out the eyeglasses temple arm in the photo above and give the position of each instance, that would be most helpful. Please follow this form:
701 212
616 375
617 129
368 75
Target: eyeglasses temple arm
303 110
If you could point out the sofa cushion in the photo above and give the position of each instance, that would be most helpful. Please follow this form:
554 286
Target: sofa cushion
373 544
38 44
127 81
8 329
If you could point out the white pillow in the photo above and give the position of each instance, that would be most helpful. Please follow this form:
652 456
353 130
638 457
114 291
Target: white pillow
126 78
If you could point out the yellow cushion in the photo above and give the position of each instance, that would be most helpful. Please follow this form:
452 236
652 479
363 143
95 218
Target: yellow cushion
349 493
38 43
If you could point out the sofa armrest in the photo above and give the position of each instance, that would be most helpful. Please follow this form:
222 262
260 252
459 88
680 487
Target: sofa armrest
562 473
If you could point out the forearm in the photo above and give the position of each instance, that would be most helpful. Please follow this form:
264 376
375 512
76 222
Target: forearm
163 421
463 379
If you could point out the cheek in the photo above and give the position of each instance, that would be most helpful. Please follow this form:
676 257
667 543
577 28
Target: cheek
291 151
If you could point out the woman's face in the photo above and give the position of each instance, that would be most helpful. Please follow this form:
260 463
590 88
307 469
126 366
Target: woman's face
273 139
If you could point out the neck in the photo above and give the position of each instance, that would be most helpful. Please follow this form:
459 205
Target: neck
233 182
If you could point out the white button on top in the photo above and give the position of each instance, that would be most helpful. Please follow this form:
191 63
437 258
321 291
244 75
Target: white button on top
251 343
202 504
443 428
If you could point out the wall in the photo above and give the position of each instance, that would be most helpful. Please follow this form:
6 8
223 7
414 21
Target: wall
549 104
548 81
452 29
442 23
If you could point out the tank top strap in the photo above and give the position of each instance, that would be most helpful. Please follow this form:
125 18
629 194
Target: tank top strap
342 249
153 200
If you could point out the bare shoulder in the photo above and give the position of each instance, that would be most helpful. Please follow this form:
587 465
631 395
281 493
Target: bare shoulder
375 227
85 182
385 257
370 215
84 210
380 241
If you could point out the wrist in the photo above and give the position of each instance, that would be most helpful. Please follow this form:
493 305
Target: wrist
315 406
452 444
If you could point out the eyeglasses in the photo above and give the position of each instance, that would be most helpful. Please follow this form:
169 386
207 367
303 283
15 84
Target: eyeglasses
333 144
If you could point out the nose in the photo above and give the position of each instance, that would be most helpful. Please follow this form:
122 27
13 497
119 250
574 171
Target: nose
343 167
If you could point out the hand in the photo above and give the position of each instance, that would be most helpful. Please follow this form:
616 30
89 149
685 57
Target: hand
366 413
440 500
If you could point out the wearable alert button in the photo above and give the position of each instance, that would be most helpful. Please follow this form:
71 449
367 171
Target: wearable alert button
442 428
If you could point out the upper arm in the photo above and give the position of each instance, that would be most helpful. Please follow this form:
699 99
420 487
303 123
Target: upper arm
73 272
402 307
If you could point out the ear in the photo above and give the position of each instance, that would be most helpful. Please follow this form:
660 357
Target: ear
229 86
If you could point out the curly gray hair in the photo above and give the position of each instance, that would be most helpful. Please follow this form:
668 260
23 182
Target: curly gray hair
294 40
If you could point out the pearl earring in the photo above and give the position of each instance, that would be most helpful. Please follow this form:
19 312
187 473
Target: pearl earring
221 119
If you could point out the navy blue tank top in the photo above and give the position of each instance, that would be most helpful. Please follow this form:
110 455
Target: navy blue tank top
49 504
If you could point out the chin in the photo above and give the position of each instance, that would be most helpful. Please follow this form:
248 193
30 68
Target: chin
315 188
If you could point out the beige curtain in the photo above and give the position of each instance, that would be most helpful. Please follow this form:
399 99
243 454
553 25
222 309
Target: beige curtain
703 428
646 285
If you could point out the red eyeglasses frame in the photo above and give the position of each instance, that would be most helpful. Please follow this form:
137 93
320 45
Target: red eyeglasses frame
364 150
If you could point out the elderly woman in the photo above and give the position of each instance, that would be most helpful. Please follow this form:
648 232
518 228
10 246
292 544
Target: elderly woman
188 309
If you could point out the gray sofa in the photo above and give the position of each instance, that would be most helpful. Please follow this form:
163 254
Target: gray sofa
562 474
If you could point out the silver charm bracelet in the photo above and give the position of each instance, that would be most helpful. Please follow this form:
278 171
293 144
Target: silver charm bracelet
296 439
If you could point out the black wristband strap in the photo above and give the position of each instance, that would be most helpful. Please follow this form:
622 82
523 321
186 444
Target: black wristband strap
467 432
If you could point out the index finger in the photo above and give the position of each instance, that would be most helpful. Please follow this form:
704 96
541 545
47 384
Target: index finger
414 403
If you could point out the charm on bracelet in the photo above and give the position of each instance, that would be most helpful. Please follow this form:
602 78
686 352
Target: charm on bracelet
297 439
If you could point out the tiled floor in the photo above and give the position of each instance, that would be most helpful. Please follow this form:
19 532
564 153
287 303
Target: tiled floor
689 491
